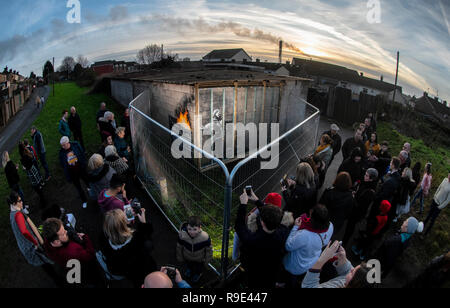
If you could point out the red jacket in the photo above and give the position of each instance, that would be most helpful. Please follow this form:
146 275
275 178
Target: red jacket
71 250
381 219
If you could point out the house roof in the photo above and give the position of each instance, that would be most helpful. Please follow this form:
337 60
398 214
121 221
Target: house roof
210 77
340 73
224 53
431 106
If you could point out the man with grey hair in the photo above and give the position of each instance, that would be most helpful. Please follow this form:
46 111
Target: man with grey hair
407 148
75 125
364 197
73 161
337 141
106 125
403 156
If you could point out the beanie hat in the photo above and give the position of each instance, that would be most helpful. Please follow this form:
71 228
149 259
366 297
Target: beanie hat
385 206
64 140
414 225
274 199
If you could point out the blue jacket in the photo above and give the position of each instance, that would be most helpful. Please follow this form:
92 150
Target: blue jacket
63 128
79 152
121 146
304 248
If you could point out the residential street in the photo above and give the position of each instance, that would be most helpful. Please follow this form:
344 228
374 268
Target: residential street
21 122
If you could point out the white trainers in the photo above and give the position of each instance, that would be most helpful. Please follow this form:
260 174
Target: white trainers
84 205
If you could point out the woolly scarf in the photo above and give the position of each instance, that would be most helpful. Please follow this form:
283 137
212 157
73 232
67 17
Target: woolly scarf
321 148
307 225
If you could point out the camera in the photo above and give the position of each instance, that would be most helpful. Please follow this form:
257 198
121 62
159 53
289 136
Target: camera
136 206
248 190
171 272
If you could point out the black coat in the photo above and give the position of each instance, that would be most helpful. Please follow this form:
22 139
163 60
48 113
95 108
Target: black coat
337 142
12 176
390 250
351 144
388 191
405 188
356 170
299 199
133 260
261 253
364 197
384 159
74 123
340 205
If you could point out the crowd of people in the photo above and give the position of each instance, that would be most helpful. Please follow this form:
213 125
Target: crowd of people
357 214
299 238
125 249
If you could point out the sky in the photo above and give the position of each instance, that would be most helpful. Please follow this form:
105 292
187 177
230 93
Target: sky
343 32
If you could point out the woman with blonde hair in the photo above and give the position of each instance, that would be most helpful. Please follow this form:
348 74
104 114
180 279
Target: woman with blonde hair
128 252
98 174
12 176
300 195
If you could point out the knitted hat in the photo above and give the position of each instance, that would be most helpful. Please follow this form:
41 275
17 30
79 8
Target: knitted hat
274 199
64 140
385 206
414 225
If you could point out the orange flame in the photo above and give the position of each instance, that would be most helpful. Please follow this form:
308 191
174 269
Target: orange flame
183 119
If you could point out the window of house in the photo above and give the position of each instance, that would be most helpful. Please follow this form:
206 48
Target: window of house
365 90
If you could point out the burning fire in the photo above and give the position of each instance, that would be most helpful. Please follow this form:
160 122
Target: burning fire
183 119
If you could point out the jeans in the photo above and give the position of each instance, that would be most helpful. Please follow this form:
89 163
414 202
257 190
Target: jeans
419 194
432 215
44 164
75 178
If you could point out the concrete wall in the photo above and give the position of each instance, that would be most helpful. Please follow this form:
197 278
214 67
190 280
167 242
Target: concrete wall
122 91
292 108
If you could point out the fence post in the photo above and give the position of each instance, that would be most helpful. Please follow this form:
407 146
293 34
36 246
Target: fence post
226 228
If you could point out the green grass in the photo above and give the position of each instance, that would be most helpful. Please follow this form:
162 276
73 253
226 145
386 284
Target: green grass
438 240
67 95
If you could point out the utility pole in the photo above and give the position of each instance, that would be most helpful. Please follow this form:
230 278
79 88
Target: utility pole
53 76
396 77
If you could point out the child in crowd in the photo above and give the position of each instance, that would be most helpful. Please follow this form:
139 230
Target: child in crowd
194 248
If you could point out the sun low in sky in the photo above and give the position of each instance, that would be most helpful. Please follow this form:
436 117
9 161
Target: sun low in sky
364 35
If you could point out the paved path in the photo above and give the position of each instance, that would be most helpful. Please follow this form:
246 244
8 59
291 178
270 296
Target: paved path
324 125
21 122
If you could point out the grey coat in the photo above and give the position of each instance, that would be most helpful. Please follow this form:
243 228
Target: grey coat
27 248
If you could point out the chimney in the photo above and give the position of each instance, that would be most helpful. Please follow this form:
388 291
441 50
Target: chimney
258 60
381 78
362 74
281 52
288 63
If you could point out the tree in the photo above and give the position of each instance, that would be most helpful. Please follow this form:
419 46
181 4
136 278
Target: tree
5 70
83 61
149 54
78 70
67 65
32 75
48 70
